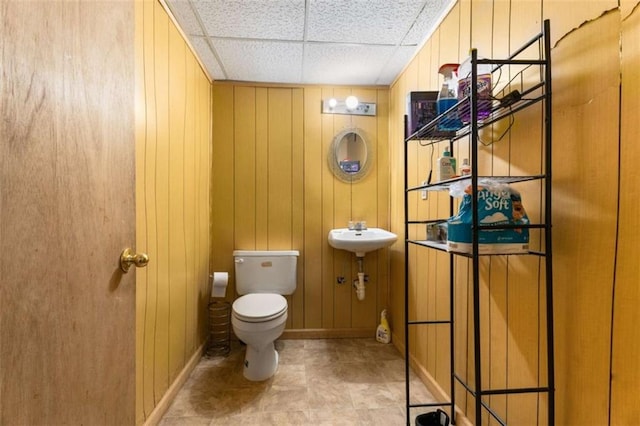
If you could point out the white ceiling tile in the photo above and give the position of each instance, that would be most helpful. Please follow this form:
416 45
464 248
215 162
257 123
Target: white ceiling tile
260 61
430 16
344 64
357 21
185 15
209 61
255 19
399 59
346 42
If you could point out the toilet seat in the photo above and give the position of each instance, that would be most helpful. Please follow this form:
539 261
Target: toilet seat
259 307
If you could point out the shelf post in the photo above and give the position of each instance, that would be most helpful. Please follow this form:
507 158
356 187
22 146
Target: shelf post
547 221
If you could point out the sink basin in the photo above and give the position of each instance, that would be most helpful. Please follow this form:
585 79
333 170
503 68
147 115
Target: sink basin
361 242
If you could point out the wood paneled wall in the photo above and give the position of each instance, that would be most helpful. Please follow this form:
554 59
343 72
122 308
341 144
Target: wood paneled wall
625 362
272 189
173 133
595 218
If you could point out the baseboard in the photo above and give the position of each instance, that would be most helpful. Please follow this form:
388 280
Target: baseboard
433 386
156 415
329 333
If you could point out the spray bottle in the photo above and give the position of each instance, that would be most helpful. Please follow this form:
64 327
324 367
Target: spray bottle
448 97
383 334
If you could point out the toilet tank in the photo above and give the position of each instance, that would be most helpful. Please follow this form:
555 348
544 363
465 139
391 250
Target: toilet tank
265 271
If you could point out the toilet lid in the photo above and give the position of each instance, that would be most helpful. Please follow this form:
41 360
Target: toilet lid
259 307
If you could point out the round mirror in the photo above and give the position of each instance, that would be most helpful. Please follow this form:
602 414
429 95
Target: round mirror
349 156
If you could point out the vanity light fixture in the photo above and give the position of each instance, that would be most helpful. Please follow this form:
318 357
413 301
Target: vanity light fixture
350 106
351 102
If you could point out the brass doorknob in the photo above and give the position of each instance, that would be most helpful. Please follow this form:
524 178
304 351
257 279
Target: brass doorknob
129 257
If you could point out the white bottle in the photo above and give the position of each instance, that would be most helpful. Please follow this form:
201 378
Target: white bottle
483 89
383 333
446 165
465 168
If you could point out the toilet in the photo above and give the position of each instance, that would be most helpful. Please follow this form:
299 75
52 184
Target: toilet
259 315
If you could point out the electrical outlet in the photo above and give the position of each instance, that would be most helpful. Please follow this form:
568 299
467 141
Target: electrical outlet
424 194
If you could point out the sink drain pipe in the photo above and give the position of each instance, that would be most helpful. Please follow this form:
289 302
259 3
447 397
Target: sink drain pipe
359 284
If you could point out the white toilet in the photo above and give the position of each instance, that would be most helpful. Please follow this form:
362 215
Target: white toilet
258 317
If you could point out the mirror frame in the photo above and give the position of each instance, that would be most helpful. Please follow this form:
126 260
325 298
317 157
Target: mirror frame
334 163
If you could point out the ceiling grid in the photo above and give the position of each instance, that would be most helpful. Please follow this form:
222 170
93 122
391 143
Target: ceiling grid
329 42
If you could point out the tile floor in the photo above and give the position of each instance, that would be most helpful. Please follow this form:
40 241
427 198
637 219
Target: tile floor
318 382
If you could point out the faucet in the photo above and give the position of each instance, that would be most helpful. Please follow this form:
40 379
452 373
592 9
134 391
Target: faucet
357 226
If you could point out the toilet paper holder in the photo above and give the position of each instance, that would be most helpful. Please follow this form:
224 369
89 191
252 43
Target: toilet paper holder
219 282
219 328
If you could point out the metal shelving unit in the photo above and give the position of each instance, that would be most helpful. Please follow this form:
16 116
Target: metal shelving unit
522 91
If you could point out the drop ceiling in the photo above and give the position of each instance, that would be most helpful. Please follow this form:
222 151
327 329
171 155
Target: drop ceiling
328 42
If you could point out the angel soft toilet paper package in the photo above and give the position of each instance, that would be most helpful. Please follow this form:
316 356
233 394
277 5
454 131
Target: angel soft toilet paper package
498 205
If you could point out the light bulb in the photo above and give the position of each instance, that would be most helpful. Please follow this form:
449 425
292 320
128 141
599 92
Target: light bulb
351 102
333 102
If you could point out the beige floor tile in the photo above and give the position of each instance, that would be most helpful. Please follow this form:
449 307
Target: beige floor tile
277 418
329 396
285 398
382 416
319 382
377 395
325 417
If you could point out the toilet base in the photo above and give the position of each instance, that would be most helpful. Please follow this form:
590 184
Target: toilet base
260 363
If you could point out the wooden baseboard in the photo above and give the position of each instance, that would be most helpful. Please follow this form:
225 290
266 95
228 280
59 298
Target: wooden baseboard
433 386
329 333
156 415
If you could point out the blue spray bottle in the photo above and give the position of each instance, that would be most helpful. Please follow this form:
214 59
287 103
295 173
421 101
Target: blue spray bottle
448 97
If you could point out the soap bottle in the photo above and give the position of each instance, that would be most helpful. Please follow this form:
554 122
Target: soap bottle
465 168
446 165
383 333
483 90
448 97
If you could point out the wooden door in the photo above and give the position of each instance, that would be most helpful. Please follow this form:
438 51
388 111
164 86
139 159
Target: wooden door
67 313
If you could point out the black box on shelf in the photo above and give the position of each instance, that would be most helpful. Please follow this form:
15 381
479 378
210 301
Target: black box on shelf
422 107
437 232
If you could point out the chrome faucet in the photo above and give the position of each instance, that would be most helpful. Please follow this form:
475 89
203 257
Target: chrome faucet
357 226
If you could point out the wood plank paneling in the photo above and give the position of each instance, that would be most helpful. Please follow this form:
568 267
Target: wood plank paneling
244 157
586 65
141 231
173 118
586 106
261 241
328 200
296 301
201 286
160 201
190 227
282 186
314 237
567 19
146 217
278 169
625 369
176 243
223 229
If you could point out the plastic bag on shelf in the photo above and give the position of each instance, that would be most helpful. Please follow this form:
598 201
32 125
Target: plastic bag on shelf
498 205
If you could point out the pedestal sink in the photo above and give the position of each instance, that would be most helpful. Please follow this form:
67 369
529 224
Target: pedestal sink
361 241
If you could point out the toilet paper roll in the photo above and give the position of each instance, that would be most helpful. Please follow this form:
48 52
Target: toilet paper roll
219 281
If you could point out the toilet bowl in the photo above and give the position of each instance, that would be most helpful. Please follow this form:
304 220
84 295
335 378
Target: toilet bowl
259 315
258 320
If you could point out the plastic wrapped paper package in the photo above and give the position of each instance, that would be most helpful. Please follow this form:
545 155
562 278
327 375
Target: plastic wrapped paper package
498 205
